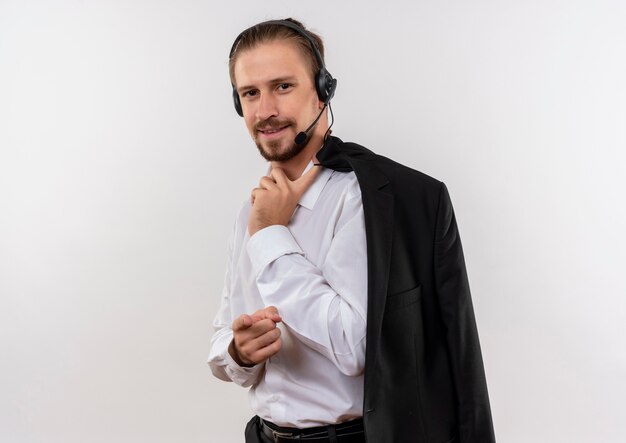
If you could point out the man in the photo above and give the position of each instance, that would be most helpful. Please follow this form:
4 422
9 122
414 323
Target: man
346 307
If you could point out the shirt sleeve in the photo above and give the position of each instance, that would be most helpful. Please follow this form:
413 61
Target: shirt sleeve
324 307
222 364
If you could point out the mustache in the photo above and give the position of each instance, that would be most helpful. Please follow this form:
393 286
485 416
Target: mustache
272 123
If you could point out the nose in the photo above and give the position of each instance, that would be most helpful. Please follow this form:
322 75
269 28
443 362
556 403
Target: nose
267 107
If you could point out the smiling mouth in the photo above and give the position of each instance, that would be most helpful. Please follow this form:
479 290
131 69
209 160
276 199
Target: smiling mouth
272 131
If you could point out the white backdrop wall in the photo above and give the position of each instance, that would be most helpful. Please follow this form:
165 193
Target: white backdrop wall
123 164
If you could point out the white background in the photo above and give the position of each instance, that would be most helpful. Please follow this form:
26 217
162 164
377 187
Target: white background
123 164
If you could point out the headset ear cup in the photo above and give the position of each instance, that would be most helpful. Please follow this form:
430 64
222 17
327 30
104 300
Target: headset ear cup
325 85
331 89
237 102
319 87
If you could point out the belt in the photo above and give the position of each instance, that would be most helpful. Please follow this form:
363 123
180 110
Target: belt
347 432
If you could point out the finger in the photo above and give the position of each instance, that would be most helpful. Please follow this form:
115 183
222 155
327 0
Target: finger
271 312
261 326
256 328
267 183
254 193
248 343
266 339
264 315
306 180
242 322
264 353
257 316
279 177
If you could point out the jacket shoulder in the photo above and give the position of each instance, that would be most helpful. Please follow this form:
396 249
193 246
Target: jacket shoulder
400 176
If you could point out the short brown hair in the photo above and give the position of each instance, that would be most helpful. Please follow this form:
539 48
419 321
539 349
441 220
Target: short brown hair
267 32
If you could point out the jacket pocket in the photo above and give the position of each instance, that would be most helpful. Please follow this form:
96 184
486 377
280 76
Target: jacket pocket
403 299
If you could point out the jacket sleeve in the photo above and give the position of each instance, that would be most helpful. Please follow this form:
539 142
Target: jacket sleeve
474 413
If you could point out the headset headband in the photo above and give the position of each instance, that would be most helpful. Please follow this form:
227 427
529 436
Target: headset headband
301 31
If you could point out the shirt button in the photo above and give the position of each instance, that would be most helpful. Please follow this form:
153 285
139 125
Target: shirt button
274 397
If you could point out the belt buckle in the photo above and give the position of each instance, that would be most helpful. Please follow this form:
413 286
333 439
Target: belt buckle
278 435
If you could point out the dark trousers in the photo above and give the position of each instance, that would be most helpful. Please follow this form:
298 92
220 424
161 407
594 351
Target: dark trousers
254 434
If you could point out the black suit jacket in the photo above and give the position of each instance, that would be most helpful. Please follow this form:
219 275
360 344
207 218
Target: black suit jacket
424 376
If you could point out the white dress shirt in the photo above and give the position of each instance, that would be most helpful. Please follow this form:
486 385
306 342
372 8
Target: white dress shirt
315 272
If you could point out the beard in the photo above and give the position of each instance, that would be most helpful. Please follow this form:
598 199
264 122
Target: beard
277 150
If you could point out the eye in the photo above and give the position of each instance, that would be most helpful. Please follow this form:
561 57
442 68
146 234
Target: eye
284 86
249 94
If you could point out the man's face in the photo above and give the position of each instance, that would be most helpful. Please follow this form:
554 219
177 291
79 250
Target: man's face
277 95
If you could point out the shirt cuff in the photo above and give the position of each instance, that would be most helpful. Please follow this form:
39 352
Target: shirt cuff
270 243
239 374
220 360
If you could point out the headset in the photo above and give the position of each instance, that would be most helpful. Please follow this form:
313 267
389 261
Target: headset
325 84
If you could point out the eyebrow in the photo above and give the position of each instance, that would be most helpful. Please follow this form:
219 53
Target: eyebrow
289 79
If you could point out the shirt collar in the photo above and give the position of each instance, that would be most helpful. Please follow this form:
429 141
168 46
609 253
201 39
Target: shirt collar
311 195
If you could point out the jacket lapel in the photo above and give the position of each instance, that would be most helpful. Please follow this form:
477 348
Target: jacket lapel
378 208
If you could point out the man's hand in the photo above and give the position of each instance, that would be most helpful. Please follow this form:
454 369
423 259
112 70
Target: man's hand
255 337
274 201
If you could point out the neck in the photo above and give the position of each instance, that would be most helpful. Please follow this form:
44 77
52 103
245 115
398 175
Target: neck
295 166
